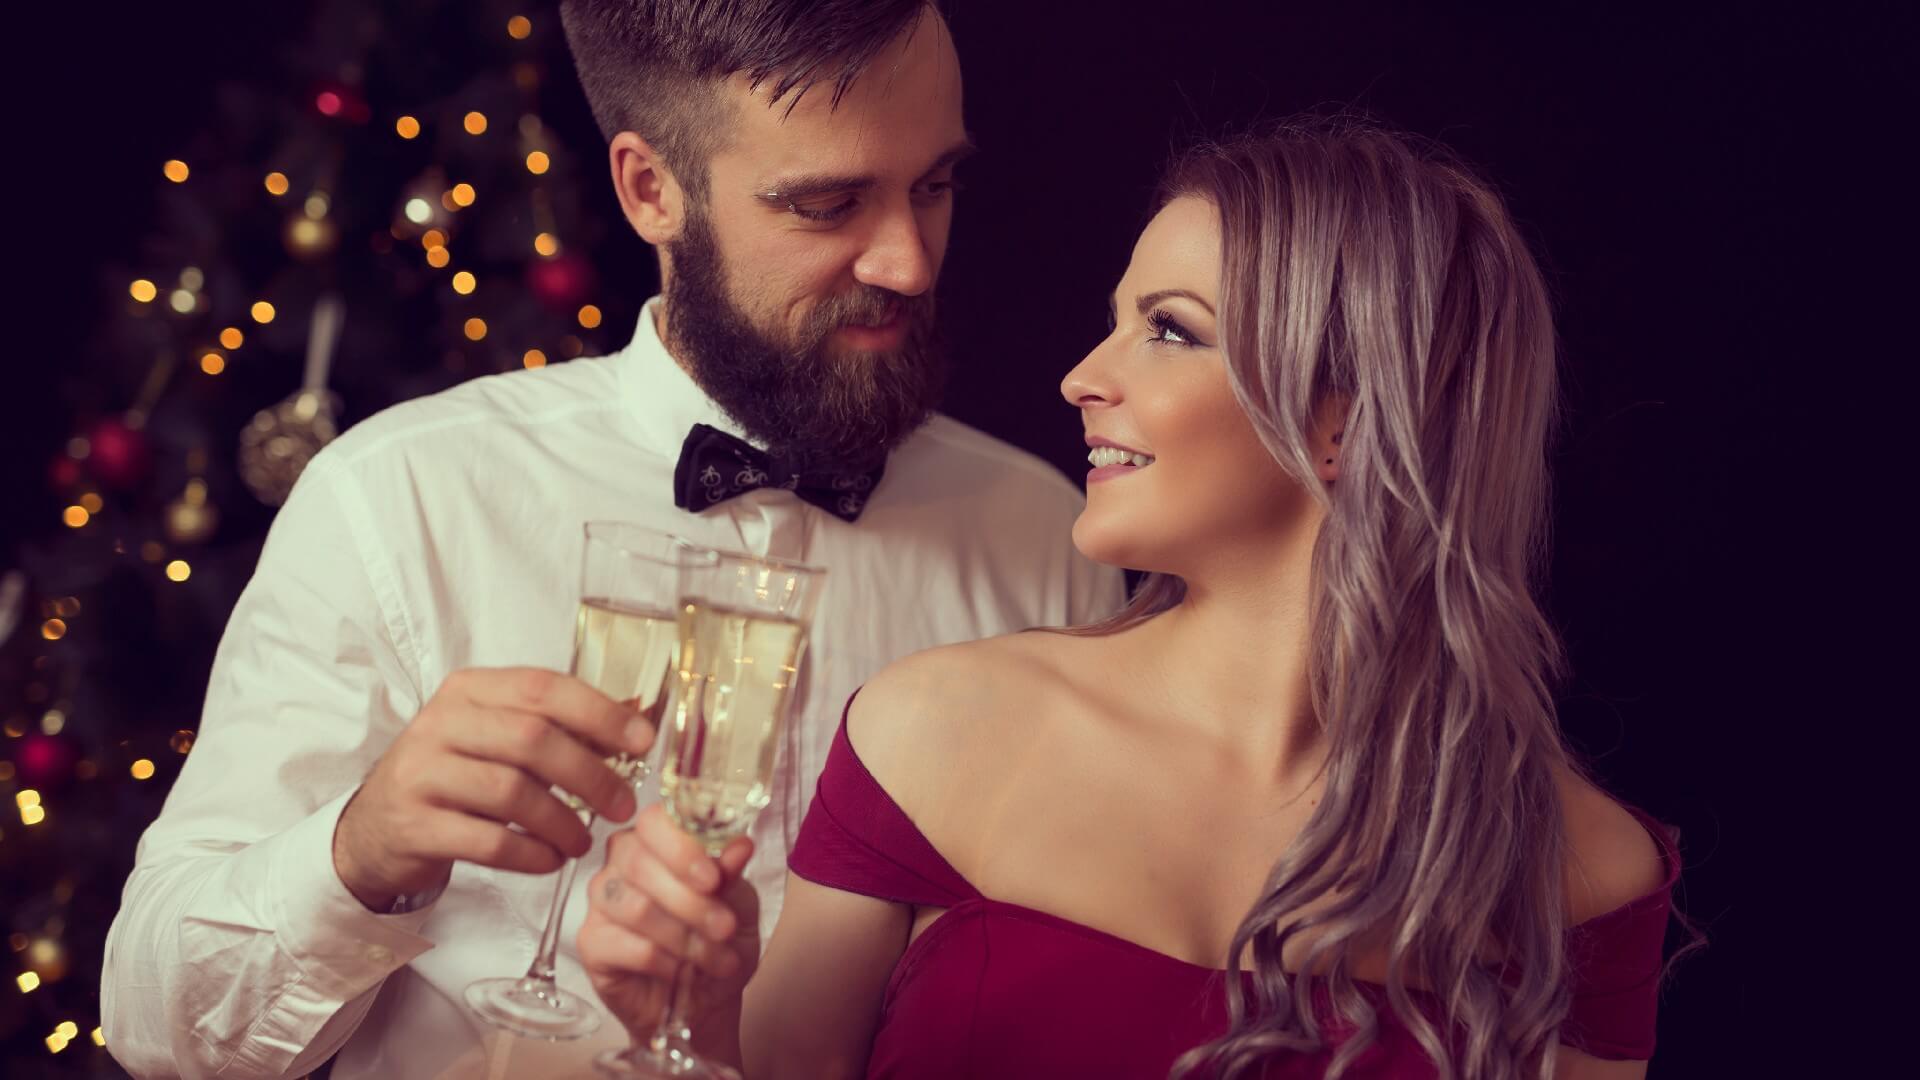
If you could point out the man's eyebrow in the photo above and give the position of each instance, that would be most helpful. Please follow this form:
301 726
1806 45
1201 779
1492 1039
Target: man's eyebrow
813 185
1147 300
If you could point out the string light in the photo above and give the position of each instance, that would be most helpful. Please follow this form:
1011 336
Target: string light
25 798
438 258
537 162
53 722
75 516
407 127
178 570
433 238
547 244
152 551
176 171
6 770
462 194
33 815
476 123
464 283
419 211
182 741
183 301
534 359
519 27
277 183
213 363
92 502
142 769
53 629
99 1037
143 290
231 337
589 316
476 329
262 312
28 981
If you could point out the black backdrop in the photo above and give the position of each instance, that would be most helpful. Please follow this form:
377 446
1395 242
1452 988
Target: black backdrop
1656 159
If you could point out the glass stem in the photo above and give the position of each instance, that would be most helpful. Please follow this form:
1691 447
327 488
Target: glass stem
542 968
672 1040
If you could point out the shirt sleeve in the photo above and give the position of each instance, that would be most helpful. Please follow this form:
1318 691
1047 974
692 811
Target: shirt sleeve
237 951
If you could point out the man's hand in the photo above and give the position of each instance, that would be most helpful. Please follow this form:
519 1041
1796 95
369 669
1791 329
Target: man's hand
661 899
482 755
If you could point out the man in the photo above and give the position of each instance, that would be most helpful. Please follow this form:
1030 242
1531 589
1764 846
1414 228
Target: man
334 865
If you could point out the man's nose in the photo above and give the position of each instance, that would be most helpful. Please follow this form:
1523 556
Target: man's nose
896 256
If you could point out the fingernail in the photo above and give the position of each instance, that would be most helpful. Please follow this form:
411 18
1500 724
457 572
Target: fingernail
639 735
717 927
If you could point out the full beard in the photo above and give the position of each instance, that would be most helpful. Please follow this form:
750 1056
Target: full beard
802 399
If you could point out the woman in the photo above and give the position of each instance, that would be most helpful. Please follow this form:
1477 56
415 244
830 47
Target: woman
1302 809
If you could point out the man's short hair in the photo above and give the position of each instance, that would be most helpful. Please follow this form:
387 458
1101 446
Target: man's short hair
655 67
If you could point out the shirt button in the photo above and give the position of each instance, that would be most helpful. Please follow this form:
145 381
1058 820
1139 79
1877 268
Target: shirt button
379 955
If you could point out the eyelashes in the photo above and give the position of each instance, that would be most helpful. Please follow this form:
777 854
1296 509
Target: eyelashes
929 193
1168 331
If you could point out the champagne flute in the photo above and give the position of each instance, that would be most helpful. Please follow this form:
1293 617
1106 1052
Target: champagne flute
743 625
624 637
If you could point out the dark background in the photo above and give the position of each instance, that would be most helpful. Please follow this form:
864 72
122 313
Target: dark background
1689 179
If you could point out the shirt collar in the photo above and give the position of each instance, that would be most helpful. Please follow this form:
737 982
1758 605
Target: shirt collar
664 399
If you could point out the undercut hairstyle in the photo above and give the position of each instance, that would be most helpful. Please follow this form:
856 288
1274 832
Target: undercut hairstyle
656 67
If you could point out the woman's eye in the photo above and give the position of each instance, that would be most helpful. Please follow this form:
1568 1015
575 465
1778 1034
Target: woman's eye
1168 329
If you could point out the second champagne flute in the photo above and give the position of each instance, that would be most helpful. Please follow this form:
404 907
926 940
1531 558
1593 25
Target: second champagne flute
743 625
624 639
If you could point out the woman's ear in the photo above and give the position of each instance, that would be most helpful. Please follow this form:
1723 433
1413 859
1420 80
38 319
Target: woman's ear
651 198
1329 428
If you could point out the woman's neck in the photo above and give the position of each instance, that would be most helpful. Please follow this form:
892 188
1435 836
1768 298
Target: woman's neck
1232 659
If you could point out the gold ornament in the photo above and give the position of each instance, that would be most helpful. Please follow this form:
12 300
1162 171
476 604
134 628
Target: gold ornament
310 238
47 957
276 446
191 519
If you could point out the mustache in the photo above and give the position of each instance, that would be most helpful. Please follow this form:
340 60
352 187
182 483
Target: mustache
867 305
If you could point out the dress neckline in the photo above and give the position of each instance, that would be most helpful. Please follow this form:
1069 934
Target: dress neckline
1662 836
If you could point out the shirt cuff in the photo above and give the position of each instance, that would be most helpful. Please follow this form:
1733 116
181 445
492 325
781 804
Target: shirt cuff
343 949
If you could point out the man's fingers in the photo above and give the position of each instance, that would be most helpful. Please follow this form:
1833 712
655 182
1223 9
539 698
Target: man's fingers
586 712
457 836
505 794
534 745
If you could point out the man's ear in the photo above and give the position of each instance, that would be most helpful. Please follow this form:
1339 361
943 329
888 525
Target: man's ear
651 197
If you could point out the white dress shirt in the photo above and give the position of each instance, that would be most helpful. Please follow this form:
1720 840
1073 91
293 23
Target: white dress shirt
444 534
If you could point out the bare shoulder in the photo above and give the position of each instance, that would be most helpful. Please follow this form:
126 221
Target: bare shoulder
1611 857
927 716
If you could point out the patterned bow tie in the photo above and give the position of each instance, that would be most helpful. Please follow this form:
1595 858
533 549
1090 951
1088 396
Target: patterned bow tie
715 466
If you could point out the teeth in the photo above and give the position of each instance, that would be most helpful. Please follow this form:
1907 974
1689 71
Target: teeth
1101 456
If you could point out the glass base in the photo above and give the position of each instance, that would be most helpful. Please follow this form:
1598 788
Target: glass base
641 1061
532 1008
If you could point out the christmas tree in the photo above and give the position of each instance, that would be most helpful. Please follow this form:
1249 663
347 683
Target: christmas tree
418 198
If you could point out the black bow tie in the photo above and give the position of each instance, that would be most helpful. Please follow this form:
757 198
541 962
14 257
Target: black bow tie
715 466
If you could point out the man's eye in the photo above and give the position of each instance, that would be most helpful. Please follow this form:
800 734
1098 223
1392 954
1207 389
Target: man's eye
824 214
938 189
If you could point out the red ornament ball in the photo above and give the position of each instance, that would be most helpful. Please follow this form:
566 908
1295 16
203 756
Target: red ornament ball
119 455
64 474
561 282
44 761
338 101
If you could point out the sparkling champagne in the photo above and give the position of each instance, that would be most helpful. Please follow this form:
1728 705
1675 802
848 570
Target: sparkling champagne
626 653
735 679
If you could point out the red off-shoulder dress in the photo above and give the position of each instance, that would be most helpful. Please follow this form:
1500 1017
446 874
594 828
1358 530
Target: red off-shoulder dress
994 989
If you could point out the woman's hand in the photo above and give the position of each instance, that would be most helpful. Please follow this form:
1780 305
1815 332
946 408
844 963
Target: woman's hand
661 899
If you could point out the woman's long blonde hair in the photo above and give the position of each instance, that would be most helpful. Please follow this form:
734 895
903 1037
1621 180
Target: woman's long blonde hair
1359 266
